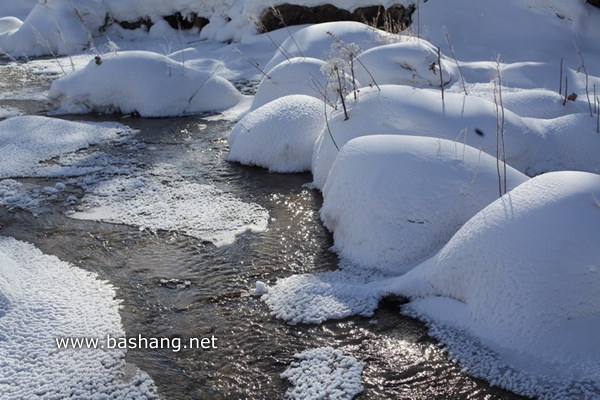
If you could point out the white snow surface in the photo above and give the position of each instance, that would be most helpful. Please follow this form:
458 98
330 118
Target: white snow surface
299 75
26 141
198 210
324 373
523 276
142 82
279 135
532 146
392 201
43 298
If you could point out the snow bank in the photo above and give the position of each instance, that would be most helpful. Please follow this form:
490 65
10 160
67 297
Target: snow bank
42 299
324 373
141 82
523 277
26 141
392 201
197 210
279 135
299 75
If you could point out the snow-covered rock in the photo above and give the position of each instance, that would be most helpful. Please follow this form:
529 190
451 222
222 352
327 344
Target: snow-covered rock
141 82
392 201
280 135
523 277
300 75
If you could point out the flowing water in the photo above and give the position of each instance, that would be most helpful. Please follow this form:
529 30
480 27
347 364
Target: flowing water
175 286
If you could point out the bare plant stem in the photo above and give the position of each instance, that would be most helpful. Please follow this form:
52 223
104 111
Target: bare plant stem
60 35
462 78
255 65
560 77
40 39
500 142
279 16
342 44
439 54
587 78
341 91
328 128
566 90
598 114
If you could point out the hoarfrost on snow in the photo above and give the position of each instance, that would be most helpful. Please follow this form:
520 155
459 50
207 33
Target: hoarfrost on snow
43 299
324 373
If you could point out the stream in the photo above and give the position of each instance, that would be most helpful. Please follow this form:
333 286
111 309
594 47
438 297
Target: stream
176 286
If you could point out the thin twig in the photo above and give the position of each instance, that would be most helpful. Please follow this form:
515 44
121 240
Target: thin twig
462 78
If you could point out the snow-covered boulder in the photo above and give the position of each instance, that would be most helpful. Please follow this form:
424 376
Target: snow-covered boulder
316 40
280 135
523 277
403 110
142 82
392 201
299 75
406 63
532 146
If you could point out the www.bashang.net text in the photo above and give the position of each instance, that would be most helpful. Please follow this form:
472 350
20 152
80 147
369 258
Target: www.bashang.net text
137 342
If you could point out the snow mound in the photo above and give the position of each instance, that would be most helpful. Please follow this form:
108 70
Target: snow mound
280 135
197 210
297 76
324 373
315 40
533 146
405 63
392 201
9 24
27 140
53 26
523 277
43 299
142 82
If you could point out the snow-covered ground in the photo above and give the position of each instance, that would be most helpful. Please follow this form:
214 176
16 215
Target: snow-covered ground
411 175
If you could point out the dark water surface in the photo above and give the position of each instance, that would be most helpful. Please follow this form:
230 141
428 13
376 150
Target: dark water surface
175 286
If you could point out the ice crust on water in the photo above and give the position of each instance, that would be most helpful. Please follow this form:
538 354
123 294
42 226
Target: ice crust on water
198 210
324 373
43 298
26 141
